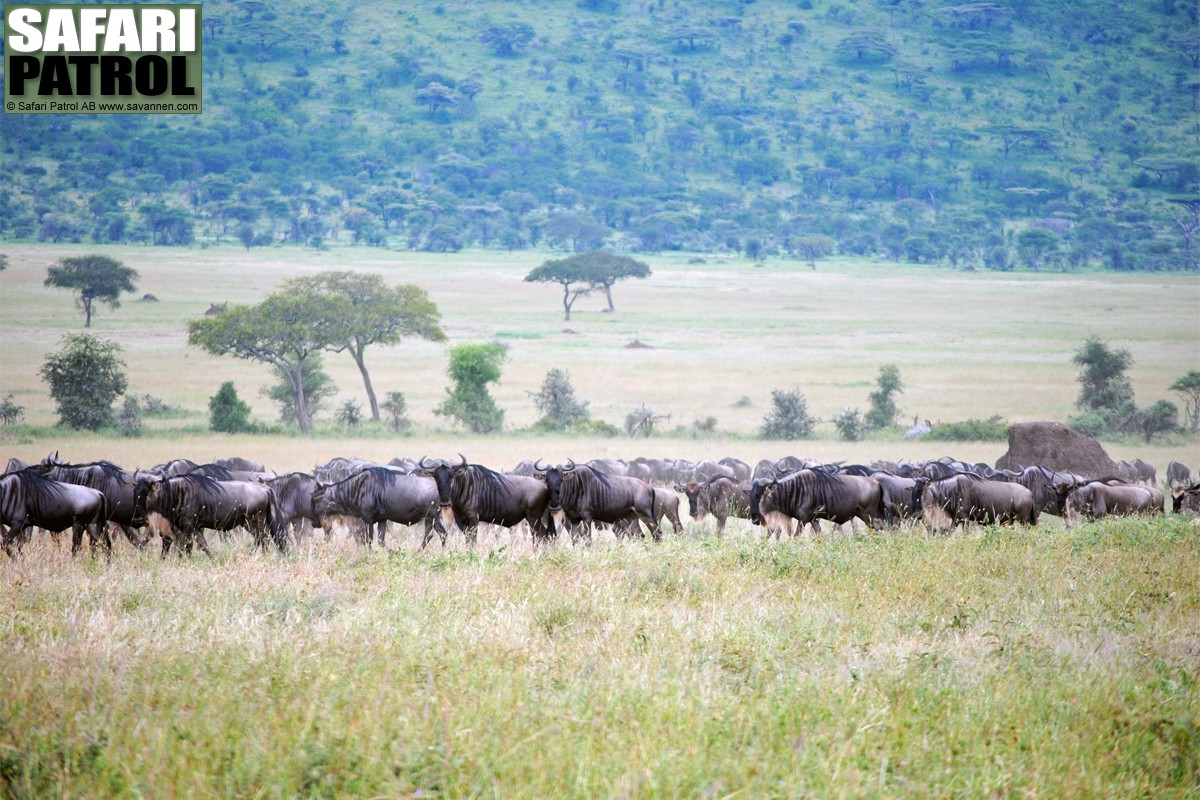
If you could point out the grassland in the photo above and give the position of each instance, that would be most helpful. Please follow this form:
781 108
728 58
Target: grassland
1004 663
1043 663
967 344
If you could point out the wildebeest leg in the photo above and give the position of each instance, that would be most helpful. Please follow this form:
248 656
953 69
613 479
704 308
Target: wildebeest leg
98 531
14 534
201 542
381 528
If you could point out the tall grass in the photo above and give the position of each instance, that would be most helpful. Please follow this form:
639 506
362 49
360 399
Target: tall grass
1003 662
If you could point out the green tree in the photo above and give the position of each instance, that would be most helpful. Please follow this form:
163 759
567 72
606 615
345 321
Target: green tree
94 279
1161 417
850 424
437 96
883 411
789 417
472 367
359 309
1188 387
1034 245
508 40
86 375
812 247
581 273
397 410
285 330
556 402
1103 384
228 413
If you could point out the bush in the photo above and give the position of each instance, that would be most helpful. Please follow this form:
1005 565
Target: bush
396 408
992 429
85 377
349 414
129 421
10 412
227 413
883 410
472 367
556 401
789 418
596 427
850 425
1089 423
641 421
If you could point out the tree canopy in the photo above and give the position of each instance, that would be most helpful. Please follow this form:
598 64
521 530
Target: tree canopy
86 375
284 330
583 273
94 279
359 309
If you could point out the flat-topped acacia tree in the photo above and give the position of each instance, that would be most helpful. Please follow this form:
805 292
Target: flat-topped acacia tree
583 273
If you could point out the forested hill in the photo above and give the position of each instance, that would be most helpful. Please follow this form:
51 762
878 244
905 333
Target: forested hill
1028 133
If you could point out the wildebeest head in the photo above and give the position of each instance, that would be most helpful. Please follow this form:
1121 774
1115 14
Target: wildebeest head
697 495
759 491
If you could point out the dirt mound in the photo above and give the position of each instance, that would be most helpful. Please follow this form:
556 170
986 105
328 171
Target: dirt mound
1055 446
637 344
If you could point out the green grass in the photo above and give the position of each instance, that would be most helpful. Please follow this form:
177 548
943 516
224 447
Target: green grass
1043 663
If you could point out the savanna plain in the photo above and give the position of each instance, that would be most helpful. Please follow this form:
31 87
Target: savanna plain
1043 662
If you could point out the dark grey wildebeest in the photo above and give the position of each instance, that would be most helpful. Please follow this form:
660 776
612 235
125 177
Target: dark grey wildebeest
375 496
580 495
28 500
469 494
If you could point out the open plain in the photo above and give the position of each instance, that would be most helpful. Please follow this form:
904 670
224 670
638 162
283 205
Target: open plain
1045 662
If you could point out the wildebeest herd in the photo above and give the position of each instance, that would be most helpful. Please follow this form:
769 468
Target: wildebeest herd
180 500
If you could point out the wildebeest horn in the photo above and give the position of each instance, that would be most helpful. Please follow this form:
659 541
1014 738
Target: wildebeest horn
422 463
537 465
570 467
464 459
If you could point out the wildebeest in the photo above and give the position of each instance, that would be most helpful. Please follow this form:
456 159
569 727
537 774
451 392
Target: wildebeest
897 494
375 496
173 468
579 495
191 503
817 493
1178 474
472 493
238 464
722 497
1042 483
28 499
1186 499
1097 499
967 497
294 495
126 503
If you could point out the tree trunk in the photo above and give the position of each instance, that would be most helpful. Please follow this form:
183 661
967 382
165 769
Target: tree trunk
357 352
297 379
87 313
567 301
608 294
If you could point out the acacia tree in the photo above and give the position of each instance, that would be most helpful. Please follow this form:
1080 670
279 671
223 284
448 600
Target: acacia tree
284 330
360 309
93 279
582 273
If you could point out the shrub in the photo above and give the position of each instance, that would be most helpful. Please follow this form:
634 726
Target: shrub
556 401
129 421
10 412
227 413
472 367
1089 423
597 427
349 414
396 408
85 377
992 429
789 418
850 425
883 410
641 421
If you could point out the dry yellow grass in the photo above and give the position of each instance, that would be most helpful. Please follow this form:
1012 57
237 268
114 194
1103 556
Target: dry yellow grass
967 344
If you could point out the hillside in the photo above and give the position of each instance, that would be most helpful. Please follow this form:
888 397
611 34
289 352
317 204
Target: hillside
1030 134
